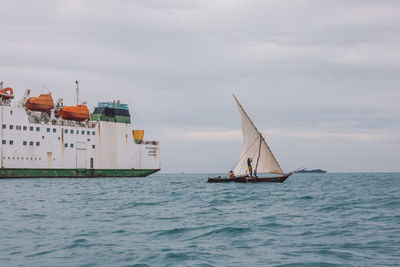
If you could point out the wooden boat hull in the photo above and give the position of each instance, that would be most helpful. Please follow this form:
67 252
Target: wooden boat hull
278 179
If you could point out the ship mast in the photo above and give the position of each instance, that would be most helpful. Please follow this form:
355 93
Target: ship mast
77 92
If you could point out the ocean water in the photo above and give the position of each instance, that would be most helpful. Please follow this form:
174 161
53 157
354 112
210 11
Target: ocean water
348 219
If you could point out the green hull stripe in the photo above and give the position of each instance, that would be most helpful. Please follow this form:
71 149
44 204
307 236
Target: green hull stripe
25 173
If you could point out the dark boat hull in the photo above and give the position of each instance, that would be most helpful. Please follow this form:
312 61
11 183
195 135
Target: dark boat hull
278 179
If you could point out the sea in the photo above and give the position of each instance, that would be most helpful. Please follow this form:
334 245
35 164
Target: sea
332 219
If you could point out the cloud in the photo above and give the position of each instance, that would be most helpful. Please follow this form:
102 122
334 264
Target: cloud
218 135
308 71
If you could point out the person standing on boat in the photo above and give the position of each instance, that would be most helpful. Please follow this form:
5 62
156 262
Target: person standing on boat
249 160
231 175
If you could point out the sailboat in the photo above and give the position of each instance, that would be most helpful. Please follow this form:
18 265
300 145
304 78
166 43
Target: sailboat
256 151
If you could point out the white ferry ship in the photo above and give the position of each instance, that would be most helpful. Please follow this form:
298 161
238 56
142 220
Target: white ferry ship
40 138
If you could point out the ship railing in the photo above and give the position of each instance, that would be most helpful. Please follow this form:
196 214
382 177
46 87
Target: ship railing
155 143
45 118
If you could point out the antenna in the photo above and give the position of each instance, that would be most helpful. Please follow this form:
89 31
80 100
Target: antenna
77 92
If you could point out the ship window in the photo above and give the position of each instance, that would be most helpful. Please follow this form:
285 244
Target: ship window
4 126
71 145
66 131
48 130
37 143
24 143
54 130
24 128
11 127
42 136
66 145
11 142
4 142
88 132
93 133
37 129
93 146
31 128
77 131
71 131
83 132
31 143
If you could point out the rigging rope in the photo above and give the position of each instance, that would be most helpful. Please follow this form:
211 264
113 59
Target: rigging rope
244 153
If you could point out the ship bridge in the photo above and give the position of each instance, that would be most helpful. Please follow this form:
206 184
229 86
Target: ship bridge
112 112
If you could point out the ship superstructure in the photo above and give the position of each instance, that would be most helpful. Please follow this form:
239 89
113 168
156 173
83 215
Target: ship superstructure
43 144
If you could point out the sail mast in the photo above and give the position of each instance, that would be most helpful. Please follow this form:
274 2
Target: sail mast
77 92
258 158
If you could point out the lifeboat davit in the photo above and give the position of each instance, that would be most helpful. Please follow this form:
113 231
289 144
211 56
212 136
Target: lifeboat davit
74 113
7 93
44 102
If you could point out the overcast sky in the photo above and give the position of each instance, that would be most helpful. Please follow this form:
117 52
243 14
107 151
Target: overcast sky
320 79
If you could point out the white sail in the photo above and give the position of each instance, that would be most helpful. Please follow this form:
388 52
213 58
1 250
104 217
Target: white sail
254 147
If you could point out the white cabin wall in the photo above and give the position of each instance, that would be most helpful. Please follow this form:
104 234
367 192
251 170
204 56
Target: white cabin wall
114 146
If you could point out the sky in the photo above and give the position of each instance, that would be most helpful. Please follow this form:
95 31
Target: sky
320 79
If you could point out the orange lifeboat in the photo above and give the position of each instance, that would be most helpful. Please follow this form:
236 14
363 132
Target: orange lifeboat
74 113
44 102
7 93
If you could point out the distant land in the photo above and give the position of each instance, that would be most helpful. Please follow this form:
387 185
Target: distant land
312 171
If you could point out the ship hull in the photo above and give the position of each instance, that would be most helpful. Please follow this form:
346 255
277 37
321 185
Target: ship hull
33 148
278 179
65 173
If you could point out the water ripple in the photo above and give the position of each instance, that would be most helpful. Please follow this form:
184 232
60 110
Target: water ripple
170 220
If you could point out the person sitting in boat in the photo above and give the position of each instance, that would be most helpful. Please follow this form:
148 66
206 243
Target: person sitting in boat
231 175
249 160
